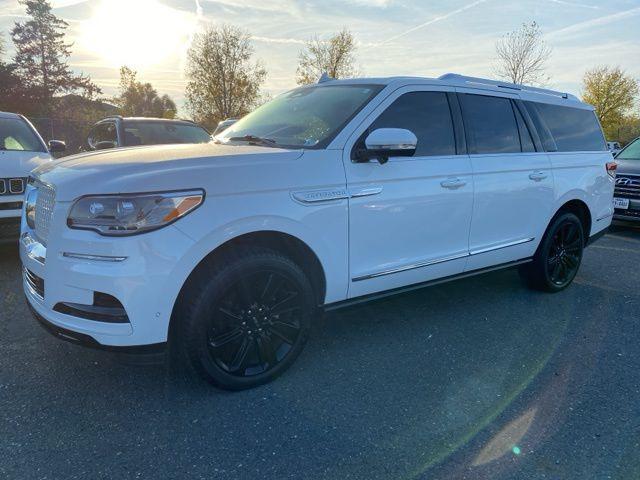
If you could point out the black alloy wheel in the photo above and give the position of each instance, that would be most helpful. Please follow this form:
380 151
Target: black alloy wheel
559 255
244 319
565 254
256 324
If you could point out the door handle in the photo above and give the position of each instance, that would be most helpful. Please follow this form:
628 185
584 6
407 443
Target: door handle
538 176
453 183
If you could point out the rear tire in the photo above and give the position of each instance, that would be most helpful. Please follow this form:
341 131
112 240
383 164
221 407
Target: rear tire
557 260
244 320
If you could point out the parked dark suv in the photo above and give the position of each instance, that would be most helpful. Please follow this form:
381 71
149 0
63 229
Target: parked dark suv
113 132
627 194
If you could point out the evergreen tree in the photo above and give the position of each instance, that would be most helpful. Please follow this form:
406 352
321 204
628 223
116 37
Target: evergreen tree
41 58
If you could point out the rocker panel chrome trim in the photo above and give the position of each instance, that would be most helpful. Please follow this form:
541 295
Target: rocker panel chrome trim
427 263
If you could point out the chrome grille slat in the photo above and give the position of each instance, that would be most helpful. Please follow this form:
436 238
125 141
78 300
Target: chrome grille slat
628 186
44 210
35 282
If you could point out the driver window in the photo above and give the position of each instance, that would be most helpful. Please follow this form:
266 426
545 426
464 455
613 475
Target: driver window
103 132
428 116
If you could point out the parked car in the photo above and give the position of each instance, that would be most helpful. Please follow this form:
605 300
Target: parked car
328 195
223 125
114 132
614 147
627 193
21 150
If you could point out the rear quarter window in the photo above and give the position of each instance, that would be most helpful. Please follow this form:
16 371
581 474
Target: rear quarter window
572 129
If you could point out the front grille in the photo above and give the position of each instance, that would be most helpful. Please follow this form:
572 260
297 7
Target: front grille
627 186
9 228
44 210
35 282
12 186
11 206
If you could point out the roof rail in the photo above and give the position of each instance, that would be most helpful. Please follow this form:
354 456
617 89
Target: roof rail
464 80
113 116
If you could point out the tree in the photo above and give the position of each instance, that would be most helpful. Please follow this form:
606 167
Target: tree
11 95
612 93
141 99
522 56
222 81
41 58
335 56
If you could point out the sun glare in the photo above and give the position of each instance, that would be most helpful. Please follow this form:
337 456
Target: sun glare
136 33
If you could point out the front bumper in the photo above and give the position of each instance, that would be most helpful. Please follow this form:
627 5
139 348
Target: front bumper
632 214
143 282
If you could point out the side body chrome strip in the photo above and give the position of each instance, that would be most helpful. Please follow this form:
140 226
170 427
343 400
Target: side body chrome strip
95 258
413 266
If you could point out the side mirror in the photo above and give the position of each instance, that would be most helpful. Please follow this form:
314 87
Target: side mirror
387 142
57 146
104 145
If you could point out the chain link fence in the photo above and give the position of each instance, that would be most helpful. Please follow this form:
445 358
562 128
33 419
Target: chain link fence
72 132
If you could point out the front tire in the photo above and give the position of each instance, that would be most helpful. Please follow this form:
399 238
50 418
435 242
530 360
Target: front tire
558 258
244 320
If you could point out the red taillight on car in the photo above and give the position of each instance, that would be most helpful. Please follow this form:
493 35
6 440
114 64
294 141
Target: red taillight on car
611 169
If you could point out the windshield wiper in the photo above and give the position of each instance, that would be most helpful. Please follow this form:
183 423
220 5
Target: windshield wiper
267 142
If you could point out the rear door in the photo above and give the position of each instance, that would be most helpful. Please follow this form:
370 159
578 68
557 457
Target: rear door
409 218
513 181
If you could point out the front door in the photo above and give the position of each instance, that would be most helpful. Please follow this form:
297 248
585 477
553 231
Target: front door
409 219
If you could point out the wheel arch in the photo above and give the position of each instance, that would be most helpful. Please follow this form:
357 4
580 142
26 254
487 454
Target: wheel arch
292 246
581 210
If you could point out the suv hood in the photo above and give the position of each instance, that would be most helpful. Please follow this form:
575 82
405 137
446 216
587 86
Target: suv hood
159 168
14 163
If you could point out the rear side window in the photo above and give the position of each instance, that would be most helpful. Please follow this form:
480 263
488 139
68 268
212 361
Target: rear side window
16 135
572 129
491 124
428 116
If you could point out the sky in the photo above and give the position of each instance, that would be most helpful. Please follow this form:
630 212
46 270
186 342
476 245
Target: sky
395 37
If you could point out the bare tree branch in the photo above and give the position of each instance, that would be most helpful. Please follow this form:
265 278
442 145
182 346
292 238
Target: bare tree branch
335 56
522 56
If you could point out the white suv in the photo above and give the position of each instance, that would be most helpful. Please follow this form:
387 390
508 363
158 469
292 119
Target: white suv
328 195
21 150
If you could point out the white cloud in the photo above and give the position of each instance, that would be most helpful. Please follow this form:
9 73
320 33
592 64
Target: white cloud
595 22
436 19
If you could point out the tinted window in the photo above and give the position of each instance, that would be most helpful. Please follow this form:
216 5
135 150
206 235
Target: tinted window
525 136
428 116
103 132
491 124
15 134
573 129
631 151
156 133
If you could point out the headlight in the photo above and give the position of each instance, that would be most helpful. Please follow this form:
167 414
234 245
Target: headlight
119 215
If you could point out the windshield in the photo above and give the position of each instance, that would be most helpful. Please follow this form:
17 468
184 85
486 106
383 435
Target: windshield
308 117
155 133
16 135
631 151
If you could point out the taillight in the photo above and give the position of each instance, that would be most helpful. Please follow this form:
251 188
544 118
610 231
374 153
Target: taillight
611 169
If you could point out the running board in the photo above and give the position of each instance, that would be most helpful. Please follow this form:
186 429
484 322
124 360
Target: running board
416 286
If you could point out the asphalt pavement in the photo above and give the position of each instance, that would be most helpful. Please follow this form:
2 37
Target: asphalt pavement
475 379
